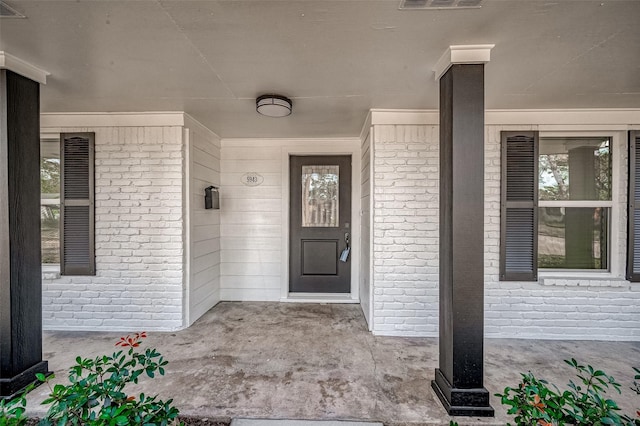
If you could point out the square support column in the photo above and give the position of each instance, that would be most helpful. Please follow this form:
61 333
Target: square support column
459 378
20 257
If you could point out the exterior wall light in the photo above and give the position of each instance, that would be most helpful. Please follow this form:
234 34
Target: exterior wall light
273 105
211 198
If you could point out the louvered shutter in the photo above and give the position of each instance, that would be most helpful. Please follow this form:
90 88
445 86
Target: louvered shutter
76 207
633 209
519 207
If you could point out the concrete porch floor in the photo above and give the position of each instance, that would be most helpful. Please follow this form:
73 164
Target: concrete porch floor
310 361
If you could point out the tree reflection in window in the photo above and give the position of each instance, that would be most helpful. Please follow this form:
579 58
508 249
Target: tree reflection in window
320 196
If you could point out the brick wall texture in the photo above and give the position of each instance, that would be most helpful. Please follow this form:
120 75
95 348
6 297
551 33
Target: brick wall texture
138 237
405 254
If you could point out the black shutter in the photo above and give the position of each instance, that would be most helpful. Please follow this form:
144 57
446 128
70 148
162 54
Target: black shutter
519 207
633 209
76 206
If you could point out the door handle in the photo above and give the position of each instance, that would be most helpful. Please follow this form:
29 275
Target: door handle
345 253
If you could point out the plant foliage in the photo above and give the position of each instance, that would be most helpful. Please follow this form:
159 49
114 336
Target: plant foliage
536 402
96 392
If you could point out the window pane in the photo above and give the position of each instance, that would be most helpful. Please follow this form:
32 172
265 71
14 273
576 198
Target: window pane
50 200
50 169
573 237
320 196
575 169
50 219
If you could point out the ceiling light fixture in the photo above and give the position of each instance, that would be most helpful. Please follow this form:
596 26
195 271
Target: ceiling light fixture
273 105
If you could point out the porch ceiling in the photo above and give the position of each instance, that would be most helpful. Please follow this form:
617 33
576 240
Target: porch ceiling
335 59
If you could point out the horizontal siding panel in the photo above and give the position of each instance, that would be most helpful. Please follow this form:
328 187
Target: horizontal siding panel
247 153
258 166
205 217
242 256
252 230
257 218
255 242
246 282
206 245
206 159
207 276
235 179
250 269
255 295
205 232
252 192
203 145
205 262
200 172
249 205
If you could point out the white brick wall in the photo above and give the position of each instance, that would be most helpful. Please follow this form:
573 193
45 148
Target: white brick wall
138 237
558 307
405 230
405 238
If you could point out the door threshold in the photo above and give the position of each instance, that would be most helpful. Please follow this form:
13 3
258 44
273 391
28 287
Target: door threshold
319 298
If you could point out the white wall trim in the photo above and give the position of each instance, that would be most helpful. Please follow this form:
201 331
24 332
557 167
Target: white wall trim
462 54
294 141
346 146
186 228
24 68
113 119
192 123
546 119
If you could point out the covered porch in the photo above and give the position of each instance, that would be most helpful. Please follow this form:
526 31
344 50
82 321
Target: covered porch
318 361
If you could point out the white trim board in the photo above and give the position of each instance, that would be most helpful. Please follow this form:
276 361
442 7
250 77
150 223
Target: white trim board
24 68
113 119
547 119
323 147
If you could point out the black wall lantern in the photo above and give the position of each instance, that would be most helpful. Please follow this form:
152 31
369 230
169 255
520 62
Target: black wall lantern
211 198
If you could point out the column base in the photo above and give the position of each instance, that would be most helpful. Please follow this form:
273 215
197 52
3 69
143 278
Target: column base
461 402
11 387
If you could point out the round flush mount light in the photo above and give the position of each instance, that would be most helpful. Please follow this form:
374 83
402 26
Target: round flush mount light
273 105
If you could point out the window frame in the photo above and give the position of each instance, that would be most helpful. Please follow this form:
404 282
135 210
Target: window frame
616 148
53 138
616 268
617 222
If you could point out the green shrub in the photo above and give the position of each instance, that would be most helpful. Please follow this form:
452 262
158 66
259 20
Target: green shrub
12 410
96 392
536 402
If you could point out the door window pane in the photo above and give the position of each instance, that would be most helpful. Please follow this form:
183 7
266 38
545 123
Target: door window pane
573 237
575 169
320 196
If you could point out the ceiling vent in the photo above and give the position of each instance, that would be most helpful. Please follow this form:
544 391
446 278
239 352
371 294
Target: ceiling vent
439 4
7 11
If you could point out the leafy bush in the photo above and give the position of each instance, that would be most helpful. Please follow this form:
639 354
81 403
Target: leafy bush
12 410
536 402
96 392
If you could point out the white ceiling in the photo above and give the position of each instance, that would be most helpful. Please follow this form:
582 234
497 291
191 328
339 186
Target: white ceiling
334 59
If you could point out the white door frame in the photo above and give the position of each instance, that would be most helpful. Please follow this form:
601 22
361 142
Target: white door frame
347 146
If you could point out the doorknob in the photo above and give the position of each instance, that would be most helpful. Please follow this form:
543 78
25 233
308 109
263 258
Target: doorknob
345 253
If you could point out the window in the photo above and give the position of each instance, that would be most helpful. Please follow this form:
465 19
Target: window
50 200
556 204
67 203
574 202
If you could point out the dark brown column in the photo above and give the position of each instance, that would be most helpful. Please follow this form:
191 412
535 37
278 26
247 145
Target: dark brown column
20 265
459 379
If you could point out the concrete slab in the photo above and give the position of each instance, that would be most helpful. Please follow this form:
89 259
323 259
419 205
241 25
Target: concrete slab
264 422
319 362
